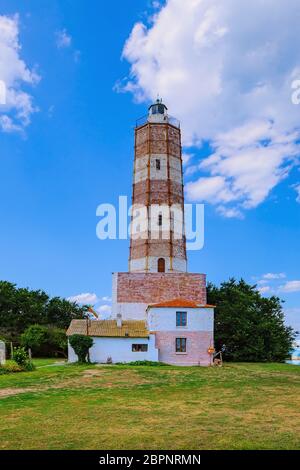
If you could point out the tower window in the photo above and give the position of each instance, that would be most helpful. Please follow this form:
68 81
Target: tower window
180 345
157 164
161 265
160 220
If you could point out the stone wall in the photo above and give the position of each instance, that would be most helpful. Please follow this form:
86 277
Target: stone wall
149 288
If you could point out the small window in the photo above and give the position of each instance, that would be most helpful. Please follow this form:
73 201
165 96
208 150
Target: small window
160 220
181 318
157 164
180 345
139 347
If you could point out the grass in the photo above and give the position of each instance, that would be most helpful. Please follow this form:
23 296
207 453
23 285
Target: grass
238 406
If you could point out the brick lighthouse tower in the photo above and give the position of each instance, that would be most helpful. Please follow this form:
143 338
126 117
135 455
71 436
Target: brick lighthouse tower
158 187
157 259
159 310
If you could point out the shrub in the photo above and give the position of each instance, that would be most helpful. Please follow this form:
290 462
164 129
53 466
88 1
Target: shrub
45 341
22 359
81 345
10 367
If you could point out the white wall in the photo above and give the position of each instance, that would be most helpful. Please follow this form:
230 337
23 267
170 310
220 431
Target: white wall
130 311
139 265
119 349
164 319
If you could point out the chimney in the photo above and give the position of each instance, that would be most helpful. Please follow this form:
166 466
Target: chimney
119 320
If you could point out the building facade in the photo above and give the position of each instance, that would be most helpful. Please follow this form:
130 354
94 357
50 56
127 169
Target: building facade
158 289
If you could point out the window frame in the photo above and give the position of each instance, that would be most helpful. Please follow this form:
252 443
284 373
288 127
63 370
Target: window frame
135 347
161 262
182 349
179 315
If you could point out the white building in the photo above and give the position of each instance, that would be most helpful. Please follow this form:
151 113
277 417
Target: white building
175 332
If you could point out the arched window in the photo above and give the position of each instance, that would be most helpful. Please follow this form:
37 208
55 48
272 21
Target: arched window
161 265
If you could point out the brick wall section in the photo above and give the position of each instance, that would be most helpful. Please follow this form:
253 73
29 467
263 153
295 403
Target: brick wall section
153 137
157 248
198 343
150 288
159 192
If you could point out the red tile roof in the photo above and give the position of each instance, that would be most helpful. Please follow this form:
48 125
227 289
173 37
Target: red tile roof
180 303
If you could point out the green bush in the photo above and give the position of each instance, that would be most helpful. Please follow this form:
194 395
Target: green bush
45 341
22 359
10 367
81 345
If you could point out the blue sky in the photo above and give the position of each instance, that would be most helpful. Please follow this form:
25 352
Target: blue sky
77 151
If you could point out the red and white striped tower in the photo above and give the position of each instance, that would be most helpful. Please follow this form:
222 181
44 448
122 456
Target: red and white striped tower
158 185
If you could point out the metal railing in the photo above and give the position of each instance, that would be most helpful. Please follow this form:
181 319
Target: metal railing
168 120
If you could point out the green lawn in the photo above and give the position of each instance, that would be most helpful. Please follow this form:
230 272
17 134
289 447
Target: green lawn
239 406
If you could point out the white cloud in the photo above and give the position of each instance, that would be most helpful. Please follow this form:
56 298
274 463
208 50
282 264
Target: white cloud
292 317
85 298
106 299
63 39
297 189
264 289
104 311
272 276
186 157
18 107
226 72
104 308
290 286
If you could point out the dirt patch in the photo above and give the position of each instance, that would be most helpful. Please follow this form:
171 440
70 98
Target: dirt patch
8 392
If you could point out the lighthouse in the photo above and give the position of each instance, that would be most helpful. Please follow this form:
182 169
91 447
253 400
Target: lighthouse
159 309
158 188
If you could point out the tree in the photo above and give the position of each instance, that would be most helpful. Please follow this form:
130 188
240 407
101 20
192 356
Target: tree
81 345
249 327
60 312
20 308
45 341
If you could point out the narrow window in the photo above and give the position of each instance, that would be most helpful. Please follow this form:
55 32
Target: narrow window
139 347
180 345
160 220
181 318
157 164
161 265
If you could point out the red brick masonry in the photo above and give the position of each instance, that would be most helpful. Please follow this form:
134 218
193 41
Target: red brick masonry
197 345
150 288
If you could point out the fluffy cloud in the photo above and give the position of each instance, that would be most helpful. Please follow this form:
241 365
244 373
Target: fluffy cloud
106 299
104 308
292 317
226 72
272 276
63 39
85 298
290 286
17 106
264 289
